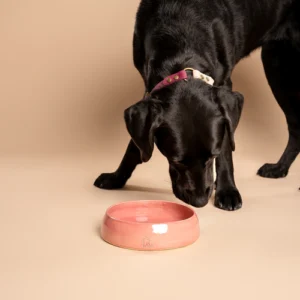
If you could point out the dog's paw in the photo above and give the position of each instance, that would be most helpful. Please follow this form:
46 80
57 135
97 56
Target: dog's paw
109 181
228 199
272 171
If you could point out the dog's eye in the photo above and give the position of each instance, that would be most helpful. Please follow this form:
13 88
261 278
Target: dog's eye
178 164
185 163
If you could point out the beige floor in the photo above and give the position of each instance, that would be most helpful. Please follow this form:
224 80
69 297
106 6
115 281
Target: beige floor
50 245
66 76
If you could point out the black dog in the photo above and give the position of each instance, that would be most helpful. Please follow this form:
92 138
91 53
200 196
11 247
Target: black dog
191 121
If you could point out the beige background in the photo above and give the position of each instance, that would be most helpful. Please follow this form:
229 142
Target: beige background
66 76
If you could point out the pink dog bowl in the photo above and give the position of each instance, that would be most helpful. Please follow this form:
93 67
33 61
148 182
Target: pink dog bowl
150 225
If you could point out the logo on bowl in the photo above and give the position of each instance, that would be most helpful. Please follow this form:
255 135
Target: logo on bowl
146 242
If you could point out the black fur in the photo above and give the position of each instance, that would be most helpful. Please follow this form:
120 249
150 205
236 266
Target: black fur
191 122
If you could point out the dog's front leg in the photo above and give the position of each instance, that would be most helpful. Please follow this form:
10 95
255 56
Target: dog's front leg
118 179
227 195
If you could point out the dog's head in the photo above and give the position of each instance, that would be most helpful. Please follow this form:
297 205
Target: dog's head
188 123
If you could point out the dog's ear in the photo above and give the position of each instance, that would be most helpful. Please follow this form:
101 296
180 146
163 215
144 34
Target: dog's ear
142 119
231 105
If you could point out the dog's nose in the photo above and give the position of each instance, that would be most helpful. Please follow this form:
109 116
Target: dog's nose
191 197
208 192
199 201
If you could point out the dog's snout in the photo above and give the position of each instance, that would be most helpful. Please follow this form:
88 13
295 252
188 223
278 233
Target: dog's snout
200 201
193 192
191 197
208 192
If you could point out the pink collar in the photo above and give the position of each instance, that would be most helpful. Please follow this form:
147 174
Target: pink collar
182 75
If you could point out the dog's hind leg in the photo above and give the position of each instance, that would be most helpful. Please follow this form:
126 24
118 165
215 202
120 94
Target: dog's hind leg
281 60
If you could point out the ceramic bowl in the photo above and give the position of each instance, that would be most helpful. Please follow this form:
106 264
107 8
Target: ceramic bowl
150 225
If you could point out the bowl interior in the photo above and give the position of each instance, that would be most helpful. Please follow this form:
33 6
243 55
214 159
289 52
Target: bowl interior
150 212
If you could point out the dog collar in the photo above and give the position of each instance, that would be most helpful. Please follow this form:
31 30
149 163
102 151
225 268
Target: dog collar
182 75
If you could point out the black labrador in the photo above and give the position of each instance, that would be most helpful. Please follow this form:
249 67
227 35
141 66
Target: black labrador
191 121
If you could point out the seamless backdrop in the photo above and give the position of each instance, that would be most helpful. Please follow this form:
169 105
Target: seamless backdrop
66 77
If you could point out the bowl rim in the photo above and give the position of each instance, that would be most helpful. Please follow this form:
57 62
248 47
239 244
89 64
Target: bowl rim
150 223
